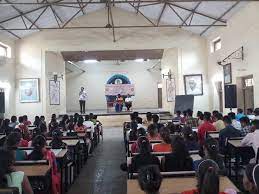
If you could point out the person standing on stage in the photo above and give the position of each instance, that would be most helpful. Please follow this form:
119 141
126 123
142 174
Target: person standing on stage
128 102
119 103
82 99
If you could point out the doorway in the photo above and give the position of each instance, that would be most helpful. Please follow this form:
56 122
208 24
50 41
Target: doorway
159 93
246 90
220 94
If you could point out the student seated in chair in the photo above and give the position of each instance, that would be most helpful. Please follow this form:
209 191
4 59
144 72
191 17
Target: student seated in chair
12 143
251 178
165 145
205 127
144 157
79 126
179 159
9 177
156 122
190 139
245 126
149 179
208 179
40 152
57 142
153 134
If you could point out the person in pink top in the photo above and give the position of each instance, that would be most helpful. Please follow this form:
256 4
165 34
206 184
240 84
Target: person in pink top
205 127
153 133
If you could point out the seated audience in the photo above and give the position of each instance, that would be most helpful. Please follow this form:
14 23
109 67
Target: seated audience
9 177
42 118
26 122
156 122
35 133
235 123
144 157
165 145
12 143
179 159
89 125
132 134
190 121
240 114
191 142
23 142
63 122
200 117
178 116
251 179
139 122
250 113
205 127
218 123
213 117
153 134
79 126
40 152
37 121
23 128
57 142
211 151
184 117
251 139
149 179
207 178
149 120
13 122
228 132
5 128
53 125
135 146
245 126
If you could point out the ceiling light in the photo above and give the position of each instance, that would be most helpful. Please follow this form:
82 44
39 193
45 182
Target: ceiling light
139 60
90 61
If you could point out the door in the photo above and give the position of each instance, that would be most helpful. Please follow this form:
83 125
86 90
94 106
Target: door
220 94
248 92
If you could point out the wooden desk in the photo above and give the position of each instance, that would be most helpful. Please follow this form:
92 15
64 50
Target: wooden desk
214 135
236 143
34 170
69 142
177 185
2 136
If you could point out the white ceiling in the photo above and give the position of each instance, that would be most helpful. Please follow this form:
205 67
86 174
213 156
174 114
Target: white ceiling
173 15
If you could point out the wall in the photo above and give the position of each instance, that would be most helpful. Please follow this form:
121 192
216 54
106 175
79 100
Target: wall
31 50
242 30
7 77
54 63
96 76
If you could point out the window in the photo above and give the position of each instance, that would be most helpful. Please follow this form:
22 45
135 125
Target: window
249 82
5 50
216 45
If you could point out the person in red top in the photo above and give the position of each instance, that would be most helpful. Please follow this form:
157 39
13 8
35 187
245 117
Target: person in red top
205 127
165 146
153 134
208 179
26 122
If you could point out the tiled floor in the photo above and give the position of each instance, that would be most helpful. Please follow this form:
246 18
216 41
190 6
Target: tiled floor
102 174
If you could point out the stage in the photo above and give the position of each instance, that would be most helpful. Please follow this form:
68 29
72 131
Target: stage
116 119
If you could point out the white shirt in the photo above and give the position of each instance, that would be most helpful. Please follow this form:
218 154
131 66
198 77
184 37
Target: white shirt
251 139
128 99
89 127
236 124
82 95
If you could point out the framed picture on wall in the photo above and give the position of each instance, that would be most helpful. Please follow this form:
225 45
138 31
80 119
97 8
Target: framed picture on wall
170 90
29 90
227 71
54 92
193 84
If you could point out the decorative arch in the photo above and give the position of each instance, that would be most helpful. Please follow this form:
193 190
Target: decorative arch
125 79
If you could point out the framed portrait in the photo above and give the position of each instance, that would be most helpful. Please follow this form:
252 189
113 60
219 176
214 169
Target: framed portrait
227 71
54 92
193 84
29 90
170 90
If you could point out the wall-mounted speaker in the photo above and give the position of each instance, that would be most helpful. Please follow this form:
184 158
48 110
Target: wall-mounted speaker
230 96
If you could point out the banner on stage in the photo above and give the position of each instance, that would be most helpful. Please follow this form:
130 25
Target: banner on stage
123 89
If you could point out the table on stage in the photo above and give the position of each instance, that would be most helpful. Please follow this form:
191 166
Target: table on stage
177 185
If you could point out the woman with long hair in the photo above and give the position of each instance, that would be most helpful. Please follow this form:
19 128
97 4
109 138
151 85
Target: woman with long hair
165 145
11 178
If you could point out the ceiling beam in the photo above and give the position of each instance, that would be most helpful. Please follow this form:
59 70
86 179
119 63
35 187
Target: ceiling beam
10 32
161 14
199 13
177 14
225 13
126 26
119 1
34 22
192 13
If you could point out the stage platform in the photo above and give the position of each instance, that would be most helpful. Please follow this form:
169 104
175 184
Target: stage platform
105 113
114 119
